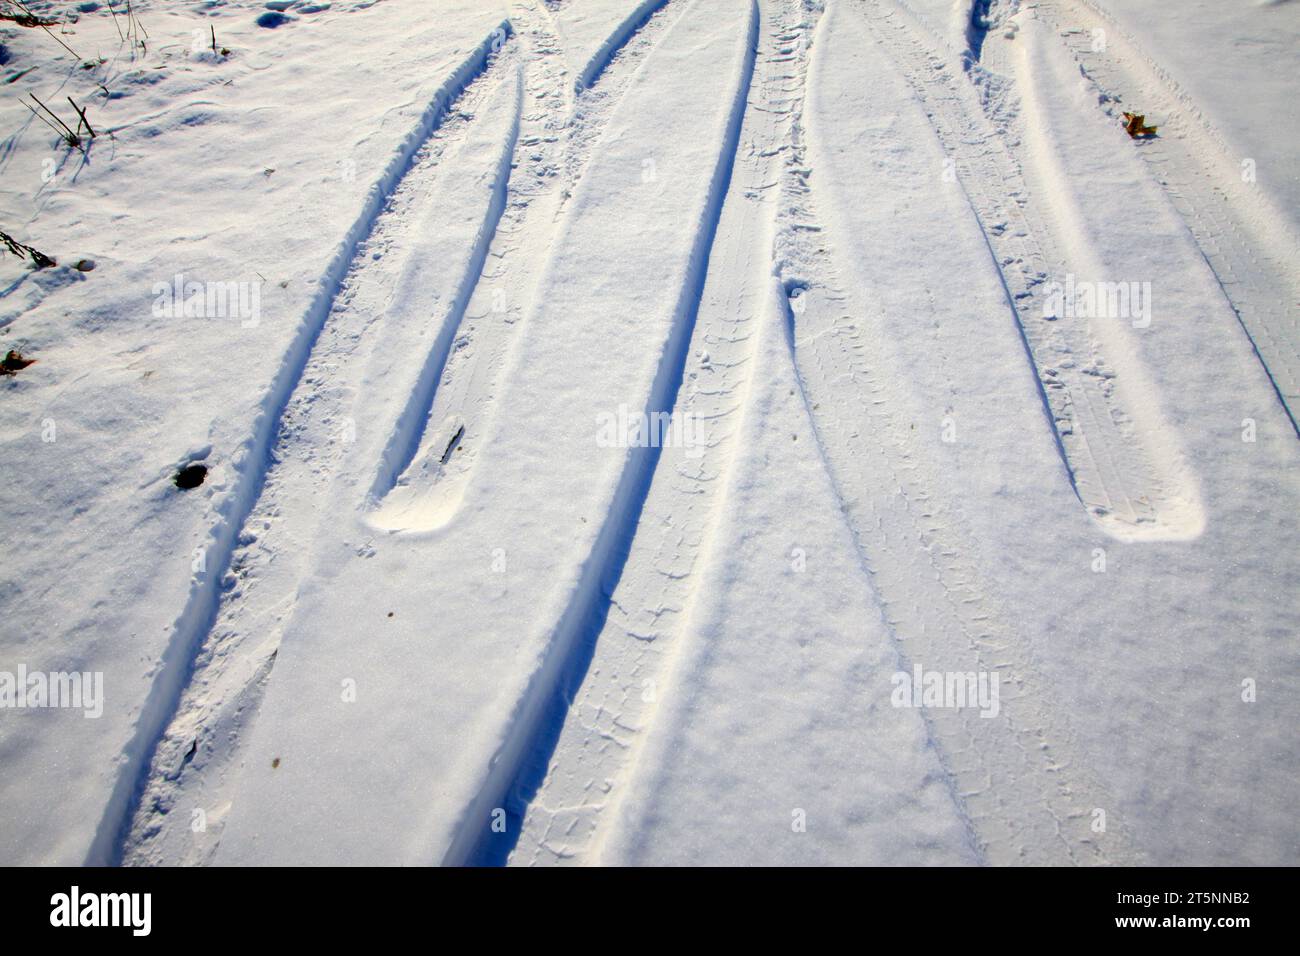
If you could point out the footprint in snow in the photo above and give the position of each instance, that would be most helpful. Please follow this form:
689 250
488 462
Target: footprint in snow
272 19
280 12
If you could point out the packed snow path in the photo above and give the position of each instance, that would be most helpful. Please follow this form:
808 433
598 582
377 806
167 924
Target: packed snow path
664 392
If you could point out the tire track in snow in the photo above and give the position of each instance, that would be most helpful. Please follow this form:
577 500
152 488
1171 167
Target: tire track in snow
155 759
198 760
567 795
476 643
539 718
557 145
1113 447
634 21
1117 368
1026 800
1246 240
595 101
411 446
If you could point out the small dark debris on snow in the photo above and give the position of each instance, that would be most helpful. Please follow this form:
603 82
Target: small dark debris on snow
26 18
191 476
451 445
1135 124
23 251
14 362
275 763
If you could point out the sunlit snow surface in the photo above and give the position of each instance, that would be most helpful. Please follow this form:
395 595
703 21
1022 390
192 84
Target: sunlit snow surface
630 426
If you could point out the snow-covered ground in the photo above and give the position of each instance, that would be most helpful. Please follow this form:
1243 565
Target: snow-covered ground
631 427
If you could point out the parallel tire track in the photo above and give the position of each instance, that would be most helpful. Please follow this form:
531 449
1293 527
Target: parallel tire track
1025 799
534 724
588 770
151 760
558 133
198 757
1248 244
1120 480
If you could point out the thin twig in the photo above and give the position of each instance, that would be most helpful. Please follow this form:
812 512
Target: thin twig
82 113
25 9
43 119
71 135
115 23
22 251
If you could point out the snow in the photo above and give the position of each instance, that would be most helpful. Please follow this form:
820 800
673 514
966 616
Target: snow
1206 51
594 32
181 187
422 608
607 311
767 703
